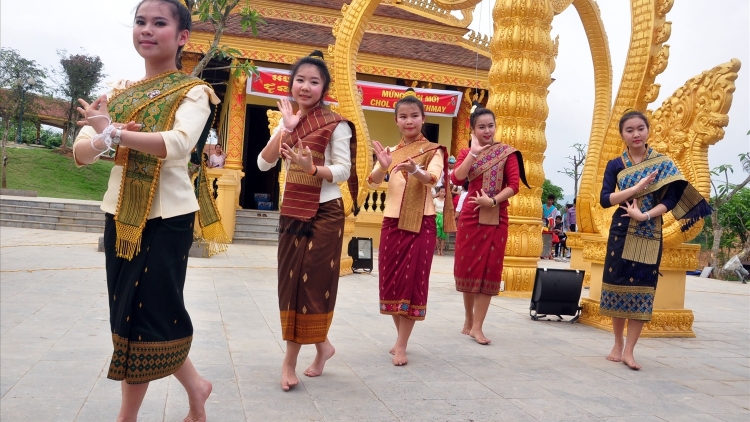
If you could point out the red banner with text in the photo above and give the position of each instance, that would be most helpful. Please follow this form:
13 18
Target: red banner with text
274 83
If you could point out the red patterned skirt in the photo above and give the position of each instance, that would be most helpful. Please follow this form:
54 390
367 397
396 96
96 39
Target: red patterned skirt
480 250
404 263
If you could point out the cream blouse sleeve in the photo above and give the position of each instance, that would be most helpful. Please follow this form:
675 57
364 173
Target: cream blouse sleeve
341 156
190 119
435 168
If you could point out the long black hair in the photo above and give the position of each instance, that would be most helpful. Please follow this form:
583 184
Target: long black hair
314 59
184 19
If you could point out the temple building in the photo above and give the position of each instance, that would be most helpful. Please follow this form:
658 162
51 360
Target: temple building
407 43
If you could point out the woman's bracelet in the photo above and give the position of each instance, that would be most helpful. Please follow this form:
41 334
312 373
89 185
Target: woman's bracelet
416 170
315 172
287 130
648 216
381 168
473 155
494 202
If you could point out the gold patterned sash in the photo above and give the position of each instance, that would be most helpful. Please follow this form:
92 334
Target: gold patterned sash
153 103
415 192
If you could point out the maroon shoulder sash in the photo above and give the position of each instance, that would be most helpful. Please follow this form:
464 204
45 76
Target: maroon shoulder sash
302 191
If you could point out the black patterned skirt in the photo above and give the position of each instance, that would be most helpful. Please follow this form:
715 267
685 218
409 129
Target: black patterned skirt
151 329
628 287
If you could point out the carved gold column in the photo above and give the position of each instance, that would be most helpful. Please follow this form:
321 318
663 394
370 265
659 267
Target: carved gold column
235 100
522 61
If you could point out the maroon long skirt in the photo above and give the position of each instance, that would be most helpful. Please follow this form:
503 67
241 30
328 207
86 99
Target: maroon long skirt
480 251
404 263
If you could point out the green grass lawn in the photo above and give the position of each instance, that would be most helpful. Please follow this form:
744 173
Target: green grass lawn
53 175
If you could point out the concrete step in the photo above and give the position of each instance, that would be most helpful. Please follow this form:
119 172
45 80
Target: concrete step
257 227
255 241
255 234
90 206
51 214
257 221
51 226
41 218
52 211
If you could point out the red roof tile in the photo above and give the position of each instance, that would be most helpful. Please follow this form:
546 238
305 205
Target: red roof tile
382 10
320 37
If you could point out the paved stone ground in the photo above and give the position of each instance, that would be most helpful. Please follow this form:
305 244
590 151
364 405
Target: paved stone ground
55 349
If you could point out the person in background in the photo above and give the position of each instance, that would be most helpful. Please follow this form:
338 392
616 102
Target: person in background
571 213
218 158
549 210
439 202
560 246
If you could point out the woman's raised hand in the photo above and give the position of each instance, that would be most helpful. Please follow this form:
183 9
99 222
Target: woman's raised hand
476 147
95 114
302 157
643 183
287 112
481 200
383 155
633 211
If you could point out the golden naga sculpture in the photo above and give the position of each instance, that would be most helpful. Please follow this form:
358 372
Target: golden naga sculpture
523 55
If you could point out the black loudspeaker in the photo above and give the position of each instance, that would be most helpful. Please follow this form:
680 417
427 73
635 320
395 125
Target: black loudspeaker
360 249
556 292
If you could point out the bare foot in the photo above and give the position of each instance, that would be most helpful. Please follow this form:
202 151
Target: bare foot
467 327
393 350
288 378
399 357
630 362
316 369
479 337
616 354
198 403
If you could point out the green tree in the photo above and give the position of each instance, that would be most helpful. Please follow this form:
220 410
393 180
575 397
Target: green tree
14 71
549 188
728 217
218 14
79 75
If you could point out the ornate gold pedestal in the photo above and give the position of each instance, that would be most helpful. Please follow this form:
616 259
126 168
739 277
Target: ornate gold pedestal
670 318
228 183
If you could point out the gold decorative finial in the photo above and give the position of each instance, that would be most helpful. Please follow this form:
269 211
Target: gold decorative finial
184 3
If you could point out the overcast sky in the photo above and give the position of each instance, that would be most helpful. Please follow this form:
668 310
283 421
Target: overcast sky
705 33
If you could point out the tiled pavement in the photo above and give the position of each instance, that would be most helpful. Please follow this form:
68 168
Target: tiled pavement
55 347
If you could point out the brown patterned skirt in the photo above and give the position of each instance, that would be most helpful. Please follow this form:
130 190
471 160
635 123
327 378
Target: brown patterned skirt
151 329
309 259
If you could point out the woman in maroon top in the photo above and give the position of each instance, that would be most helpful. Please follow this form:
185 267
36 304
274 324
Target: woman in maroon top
494 170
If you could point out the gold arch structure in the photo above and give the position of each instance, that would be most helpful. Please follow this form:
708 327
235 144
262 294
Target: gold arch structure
523 54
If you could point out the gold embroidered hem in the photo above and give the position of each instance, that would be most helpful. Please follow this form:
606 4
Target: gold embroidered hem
630 302
138 362
403 308
305 328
